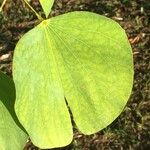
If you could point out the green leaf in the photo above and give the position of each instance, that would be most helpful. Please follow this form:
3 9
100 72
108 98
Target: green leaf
47 5
83 57
11 134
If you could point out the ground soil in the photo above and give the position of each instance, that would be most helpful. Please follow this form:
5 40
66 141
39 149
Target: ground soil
131 130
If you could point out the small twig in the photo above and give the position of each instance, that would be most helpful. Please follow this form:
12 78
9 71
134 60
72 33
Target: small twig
23 24
135 53
3 4
38 16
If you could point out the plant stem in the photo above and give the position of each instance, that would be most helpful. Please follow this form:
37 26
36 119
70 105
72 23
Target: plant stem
2 5
38 16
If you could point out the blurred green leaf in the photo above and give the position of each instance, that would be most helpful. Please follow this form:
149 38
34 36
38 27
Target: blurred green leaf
47 5
11 135
81 56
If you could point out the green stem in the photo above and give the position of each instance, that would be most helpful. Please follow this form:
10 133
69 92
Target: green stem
38 16
2 5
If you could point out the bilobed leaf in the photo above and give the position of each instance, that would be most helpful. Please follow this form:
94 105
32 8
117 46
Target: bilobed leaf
83 57
11 135
47 5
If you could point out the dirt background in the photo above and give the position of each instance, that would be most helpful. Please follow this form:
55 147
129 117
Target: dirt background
131 130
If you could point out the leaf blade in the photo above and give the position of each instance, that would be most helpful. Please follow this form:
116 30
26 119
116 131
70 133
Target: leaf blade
44 104
10 127
93 68
47 5
80 58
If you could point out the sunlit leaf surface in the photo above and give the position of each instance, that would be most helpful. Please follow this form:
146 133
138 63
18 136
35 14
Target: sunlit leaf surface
47 5
80 56
11 135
